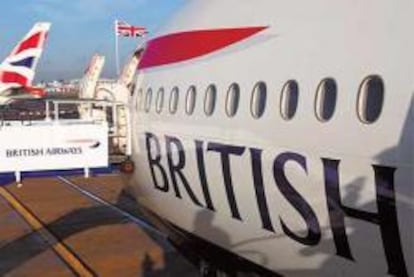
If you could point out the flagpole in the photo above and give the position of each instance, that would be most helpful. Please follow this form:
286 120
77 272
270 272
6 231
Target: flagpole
116 48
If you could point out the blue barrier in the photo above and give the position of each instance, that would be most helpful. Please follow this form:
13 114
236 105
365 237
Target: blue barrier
8 178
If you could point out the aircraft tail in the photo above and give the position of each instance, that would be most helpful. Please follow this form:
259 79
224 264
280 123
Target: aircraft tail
18 69
91 77
127 76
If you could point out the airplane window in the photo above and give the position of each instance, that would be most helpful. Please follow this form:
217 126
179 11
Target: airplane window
148 99
160 100
210 99
232 100
325 101
190 100
289 99
258 100
174 100
370 99
138 99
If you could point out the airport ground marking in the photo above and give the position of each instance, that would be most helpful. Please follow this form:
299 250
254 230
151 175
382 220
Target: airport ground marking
101 201
75 264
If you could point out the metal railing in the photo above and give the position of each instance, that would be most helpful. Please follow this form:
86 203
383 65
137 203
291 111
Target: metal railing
74 111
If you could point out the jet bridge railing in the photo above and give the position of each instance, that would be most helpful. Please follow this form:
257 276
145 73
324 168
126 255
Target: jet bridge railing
56 143
117 115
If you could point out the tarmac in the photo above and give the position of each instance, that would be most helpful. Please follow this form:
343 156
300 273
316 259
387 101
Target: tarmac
72 226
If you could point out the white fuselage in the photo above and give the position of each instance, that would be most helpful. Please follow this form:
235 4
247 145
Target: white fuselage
298 196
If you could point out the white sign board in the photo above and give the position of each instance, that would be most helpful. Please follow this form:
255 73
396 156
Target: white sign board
53 147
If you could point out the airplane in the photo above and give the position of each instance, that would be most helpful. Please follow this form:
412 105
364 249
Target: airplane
18 69
276 138
89 82
120 89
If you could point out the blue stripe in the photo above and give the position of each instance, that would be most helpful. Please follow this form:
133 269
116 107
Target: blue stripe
28 62
8 178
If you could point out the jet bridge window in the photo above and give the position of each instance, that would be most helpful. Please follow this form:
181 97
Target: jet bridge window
232 99
210 100
174 100
370 99
289 99
159 103
190 100
148 100
258 100
325 100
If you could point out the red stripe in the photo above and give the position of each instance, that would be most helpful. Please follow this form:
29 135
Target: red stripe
184 46
39 92
13 77
31 42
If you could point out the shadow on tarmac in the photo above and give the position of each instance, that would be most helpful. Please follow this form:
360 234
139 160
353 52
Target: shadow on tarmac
21 250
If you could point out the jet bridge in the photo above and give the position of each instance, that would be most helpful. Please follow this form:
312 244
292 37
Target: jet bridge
56 141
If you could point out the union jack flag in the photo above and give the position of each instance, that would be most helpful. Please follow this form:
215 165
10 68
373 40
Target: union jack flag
127 30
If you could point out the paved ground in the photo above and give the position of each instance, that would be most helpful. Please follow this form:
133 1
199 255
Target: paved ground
47 228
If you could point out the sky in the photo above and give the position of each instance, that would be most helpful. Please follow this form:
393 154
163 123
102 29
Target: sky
79 29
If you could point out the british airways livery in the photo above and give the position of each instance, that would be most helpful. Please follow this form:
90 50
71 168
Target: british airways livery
17 71
277 137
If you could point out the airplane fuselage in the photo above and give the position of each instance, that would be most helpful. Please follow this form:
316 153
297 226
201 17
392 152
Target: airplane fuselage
308 168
